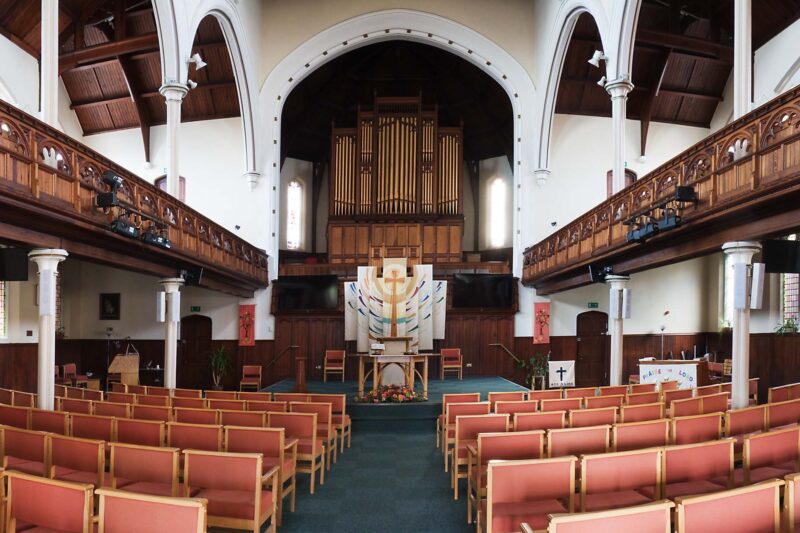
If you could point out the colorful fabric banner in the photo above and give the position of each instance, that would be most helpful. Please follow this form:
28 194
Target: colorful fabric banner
247 325
541 323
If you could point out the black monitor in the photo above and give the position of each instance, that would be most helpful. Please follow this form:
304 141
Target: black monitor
304 293
483 291
781 256
13 264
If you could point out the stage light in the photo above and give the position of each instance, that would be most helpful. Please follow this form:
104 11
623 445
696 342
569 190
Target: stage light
112 179
596 58
114 182
192 84
154 238
197 60
602 82
121 226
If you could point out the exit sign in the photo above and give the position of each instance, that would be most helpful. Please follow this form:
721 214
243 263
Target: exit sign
194 309
593 305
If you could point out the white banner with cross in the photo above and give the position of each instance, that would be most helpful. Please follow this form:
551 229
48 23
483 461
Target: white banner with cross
562 373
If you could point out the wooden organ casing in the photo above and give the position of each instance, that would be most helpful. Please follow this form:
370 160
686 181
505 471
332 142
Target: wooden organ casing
395 186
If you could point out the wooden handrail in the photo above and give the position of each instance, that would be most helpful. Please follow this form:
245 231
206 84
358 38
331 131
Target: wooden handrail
510 354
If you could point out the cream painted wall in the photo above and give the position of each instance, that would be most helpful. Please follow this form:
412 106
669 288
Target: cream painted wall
23 314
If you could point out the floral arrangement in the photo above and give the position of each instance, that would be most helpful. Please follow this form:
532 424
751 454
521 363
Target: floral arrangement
392 394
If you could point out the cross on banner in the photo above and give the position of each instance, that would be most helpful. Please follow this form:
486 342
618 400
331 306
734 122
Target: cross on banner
562 373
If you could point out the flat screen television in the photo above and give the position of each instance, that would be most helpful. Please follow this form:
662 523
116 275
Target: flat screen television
483 291
302 293
780 256
13 264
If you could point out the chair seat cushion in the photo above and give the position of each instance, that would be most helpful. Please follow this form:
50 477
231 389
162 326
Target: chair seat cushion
685 488
146 487
233 503
250 380
337 420
462 447
32 528
288 466
615 500
77 476
35 468
304 446
508 516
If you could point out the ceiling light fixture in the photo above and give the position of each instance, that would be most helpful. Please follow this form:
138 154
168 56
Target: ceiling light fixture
197 60
602 82
193 84
596 58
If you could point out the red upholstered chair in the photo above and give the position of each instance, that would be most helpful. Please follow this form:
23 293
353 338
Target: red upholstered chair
614 480
60 391
753 508
119 387
24 399
72 405
665 386
782 393
137 389
641 388
493 447
141 432
687 407
567 404
71 376
515 396
341 420
310 448
641 412
613 390
221 395
578 441
152 412
467 430
791 503
708 390
333 363
187 393
696 469
233 484
639 435
752 389
643 398
783 413
26 451
290 397
527 491
452 361
452 411
472 397
697 428
119 410
251 377
6 396
194 437
325 429
596 402
196 416
74 392
158 391
740 423
715 403
670 396
254 396
592 417
144 469
18 417
648 518
257 405
228 405
771 455
582 392
277 452
94 427
253 419
121 397
189 403
547 394
153 400
534 421
39 504
524 406
94 395
153 513
50 421
77 460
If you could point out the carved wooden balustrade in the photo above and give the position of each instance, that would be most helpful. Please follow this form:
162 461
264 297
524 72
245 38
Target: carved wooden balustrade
751 160
50 174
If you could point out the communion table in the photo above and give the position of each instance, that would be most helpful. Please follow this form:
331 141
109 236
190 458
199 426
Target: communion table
689 374
379 363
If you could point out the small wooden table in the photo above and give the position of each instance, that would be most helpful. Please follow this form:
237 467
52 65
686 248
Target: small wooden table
409 363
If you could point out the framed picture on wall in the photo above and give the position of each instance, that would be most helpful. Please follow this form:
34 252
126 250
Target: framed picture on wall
109 306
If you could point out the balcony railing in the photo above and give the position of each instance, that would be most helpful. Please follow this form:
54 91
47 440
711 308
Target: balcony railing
752 159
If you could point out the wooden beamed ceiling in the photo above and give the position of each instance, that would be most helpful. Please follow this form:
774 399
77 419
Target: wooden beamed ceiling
110 65
683 57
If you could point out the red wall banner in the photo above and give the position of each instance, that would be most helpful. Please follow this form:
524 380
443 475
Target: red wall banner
247 325
541 323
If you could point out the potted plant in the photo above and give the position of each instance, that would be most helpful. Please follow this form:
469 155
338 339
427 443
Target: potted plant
535 369
220 364
789 326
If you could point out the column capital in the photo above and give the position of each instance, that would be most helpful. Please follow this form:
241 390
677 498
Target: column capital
741 251
619 88
252 178
171 284
616 281
542 175
47 258
173 91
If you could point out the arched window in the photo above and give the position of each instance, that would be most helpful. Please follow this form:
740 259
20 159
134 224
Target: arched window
790 283
294 215
3 310
497 213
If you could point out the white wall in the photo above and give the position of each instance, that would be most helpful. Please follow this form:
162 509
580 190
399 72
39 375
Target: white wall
22 312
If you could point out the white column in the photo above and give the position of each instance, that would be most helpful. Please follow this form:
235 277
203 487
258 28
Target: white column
616 321
49 63
618 90
742 57
172 287
741 253
173 93
47 261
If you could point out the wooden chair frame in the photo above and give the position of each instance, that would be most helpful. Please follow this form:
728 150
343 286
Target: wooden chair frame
10 522
456 474
164 449
674 423
584 489
555 520
315 460
746 467
245 375
614 430
445 401
459 369
333 370
789 496
198 504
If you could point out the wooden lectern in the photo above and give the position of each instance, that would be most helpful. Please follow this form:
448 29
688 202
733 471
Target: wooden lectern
127 366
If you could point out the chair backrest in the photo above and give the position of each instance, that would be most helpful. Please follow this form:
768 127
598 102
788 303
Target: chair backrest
158 391
469 427
699 462
24 399
60 391
188 415
620 471
6 396
74 392
258 405
708 390
157 401
28 445
334 356
715 403
50 421
251 371
83 455
524 406
224 471
141 432
72 405
450 355
324 411
184 515
783 393
254 419
464 409
696 428
515 396
641 388
145 464
297 425
775 447
70 370
566 404
582 392
94 395
516 445
592 417
255 396
643 398
338 401
119 410
187 393
152 412
121 397
578 441
290 397
753 508
670 396
190 403
534 421
638 435
119 387
747 420
641 412
221 395
547 394
647 518
668 386
613 390
194 436
597 402
752 388
471 397
687 407
18 417
94 427
137 389
783 413
49 504
267 441
229 405
791 502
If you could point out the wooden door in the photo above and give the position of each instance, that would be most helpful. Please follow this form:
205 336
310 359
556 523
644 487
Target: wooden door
591 363
193 371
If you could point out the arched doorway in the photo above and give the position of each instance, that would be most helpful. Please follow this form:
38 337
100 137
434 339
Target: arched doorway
591 365
193 350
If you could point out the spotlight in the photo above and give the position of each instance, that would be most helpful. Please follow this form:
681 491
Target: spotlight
125 228
197 60
602 82
154 238
192 84
114 182
596 58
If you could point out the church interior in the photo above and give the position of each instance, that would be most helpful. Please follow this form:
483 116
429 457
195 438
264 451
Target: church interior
420 266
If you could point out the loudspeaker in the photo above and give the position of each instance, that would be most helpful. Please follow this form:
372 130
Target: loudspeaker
161 306
192 276
175 307
598 274
740 286
47 295
757 286
13 264
626 303
685 194
614 308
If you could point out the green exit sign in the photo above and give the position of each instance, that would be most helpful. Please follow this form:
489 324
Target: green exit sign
194 309
593 305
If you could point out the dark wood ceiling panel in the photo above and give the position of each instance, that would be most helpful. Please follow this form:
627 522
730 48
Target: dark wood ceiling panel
111 80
